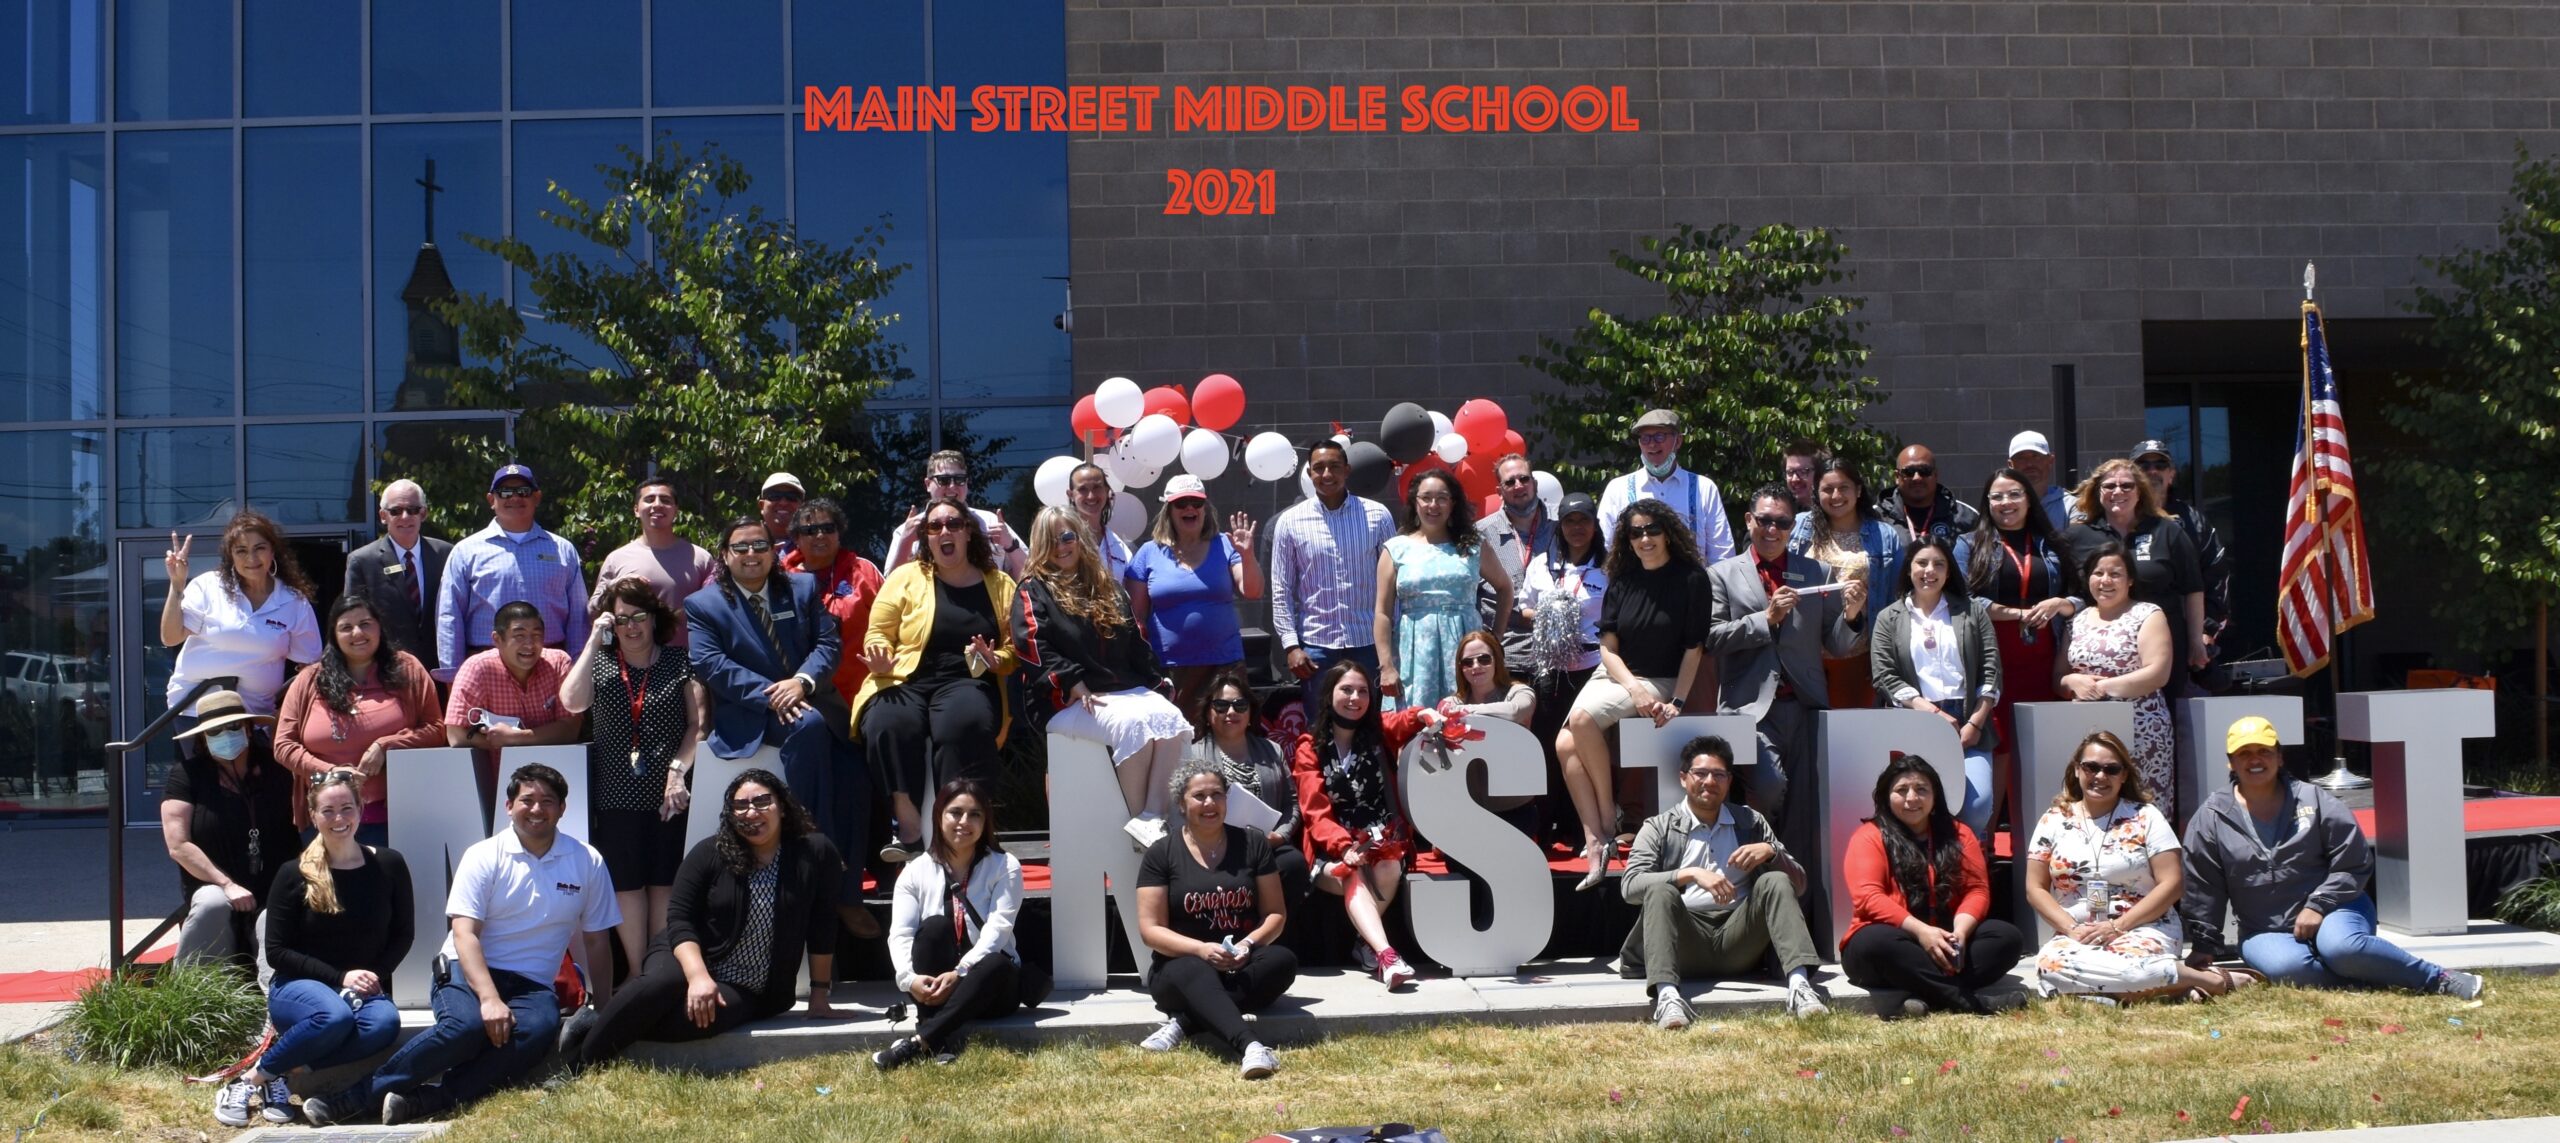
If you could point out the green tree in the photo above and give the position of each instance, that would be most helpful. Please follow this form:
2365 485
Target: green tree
2483 479
709 342
1752 347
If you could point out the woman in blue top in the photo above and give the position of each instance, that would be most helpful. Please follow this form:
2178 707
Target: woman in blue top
1186 608
1843 531
1427 592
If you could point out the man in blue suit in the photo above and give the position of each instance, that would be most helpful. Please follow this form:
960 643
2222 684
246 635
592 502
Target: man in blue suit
764 645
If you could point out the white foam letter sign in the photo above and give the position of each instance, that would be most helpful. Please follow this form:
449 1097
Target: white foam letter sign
1513 870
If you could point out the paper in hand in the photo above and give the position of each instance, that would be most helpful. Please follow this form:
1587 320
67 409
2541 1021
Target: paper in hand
1250 812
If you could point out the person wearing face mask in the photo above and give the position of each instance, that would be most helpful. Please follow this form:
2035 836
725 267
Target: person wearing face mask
1089 491
1693 497
226 816
362 702
762 646
946 477
1919 505
939 649
1842 530
245 619
402 572
1183 586
2122 509
1518 531
1932 649
1427 579
511 561
1921 937
671 565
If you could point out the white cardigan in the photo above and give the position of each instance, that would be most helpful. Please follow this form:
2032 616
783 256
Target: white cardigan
995 890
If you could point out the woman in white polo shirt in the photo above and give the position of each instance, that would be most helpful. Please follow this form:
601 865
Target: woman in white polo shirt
246 618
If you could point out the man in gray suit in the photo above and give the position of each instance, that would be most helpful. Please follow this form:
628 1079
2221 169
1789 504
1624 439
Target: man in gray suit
1769 636
401 572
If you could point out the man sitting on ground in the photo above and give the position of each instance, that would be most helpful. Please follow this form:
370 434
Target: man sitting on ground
1715 890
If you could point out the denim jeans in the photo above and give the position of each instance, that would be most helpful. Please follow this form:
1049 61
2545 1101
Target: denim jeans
458 1045
316 1029
2344 951
1975 811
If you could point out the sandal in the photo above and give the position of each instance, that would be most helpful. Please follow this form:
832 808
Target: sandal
2238 977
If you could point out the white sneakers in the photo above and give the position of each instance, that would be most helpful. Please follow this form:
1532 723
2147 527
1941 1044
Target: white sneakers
1259 1062
1803 1002
1671 1011
2466 985
1164 1039
1392 971
231 1104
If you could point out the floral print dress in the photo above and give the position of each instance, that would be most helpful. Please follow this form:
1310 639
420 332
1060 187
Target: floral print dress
2116 848
2108 650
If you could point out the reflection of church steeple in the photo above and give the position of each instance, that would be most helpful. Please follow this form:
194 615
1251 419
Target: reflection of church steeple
433 344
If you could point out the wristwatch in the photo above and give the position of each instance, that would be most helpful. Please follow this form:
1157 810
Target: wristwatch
1679 704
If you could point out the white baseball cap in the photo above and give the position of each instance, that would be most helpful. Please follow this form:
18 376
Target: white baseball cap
1182 487
781 480
2029 441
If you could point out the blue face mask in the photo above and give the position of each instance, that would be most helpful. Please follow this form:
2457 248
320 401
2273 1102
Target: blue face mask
1663 472
227 744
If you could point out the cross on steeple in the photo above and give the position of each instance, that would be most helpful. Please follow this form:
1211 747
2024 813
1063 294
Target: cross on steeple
429 183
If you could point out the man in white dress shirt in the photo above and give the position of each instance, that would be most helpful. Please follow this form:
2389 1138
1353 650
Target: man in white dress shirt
1694 497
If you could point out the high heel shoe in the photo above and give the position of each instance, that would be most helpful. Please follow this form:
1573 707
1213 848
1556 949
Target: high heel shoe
1597 855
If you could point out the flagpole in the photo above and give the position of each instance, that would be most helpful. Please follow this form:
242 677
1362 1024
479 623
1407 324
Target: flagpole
2339 776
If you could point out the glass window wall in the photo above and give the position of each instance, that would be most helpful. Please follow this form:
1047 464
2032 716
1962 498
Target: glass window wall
53 241
173 274
302 265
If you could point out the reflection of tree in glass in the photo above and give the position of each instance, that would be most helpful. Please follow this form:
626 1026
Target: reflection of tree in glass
897 445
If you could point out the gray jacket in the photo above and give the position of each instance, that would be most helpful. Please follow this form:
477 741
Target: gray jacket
1889 654
1750 658
2322 863
1655 856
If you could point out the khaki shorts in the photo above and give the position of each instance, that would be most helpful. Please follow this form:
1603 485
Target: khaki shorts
1607 702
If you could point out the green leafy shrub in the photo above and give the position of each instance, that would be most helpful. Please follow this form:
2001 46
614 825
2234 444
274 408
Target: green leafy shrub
194 1017
2533 904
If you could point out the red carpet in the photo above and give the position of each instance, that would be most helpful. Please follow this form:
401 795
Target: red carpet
43 987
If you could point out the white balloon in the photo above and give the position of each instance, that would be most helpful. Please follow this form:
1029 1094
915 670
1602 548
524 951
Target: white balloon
1204 454
1306 485
1268 457
1124 465
1550 491
1451 447
1147 477
1156 439
1128 517
1441 427
1050 482
1119 402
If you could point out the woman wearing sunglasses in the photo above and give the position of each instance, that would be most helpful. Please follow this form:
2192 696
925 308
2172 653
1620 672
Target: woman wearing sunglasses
1232 739
1653 619
1184 583
644 714
1487 690
748 902
938 650
1091 670
2103 869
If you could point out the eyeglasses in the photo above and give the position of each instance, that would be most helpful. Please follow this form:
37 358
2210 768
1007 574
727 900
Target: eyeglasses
633 620
1645 531
947 479
1068 536
1707 773
1655 437
2009 497
1918 471
2102 769
1774 521
2116 486
751 547
2153 465
943 524
515 491
1475 661
1517 481
1227 706
815 530
758 802
403 510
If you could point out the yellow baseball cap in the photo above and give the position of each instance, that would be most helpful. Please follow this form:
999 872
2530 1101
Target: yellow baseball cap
2250 731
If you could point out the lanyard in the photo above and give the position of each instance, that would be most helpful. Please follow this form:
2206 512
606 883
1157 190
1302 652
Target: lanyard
2026 579
639 696
1918 522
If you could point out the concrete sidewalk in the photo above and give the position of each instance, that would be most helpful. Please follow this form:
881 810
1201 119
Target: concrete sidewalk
54 901
2476 1131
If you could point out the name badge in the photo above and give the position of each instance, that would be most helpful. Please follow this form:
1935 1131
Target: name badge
567 886
393 569
782 615
543 556
1793 577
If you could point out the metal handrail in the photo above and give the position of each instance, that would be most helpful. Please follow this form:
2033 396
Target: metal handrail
117 955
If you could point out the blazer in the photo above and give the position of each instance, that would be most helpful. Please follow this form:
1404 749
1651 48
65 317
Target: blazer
731 657
374 572
1749 656
1061 651
708 906
902 617
1889 651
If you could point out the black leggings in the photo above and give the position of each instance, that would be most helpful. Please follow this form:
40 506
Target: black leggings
1211 1004
995 987
1886 961
920 735
650 1006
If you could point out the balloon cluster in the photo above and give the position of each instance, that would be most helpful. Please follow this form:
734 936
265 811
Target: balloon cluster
1416 440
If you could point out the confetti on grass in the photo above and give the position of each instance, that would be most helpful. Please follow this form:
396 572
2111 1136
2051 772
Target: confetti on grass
1946 1067
2392 1029
2238 1108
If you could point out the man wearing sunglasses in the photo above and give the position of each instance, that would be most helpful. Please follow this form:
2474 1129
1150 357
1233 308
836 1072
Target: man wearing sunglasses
1921 506
402 572
1695 498
2161 469
512 560
1518 534
946 474
778 500
673 566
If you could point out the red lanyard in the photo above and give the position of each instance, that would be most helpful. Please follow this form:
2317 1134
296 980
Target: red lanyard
2026 581
1919 524
639 702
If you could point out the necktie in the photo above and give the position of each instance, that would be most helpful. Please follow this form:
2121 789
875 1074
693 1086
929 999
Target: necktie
417 590
764 619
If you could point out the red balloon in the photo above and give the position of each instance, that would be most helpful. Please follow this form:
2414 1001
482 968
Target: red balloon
1413 472
1483 423
1168 400
1475 476
1512 442
1088 423
1218 402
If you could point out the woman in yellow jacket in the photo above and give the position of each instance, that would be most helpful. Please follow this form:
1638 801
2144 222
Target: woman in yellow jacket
938 649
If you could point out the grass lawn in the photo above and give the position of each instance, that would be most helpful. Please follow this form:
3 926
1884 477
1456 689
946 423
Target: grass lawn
2302 1060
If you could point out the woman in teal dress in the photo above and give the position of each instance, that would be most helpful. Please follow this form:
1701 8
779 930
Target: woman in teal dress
1427 579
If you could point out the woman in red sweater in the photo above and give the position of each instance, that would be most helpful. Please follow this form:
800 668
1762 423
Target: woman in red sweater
1356 835
1918 939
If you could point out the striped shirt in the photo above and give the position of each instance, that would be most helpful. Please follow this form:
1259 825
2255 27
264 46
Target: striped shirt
493 569
1324 567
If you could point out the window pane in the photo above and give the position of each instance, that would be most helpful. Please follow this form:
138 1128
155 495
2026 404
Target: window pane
60 48
435 55
173 60
437 456
565 151
881 42
849 181
302 264
716 53
173 274
1004 446
577 54
308 474
173 478
408 340
1001 212
53 617
301 57
755 141
53 239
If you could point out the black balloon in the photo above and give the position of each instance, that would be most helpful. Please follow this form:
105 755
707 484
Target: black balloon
1372 473
1405 433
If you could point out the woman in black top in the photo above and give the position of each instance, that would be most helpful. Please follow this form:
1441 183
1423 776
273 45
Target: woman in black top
748 900
644 708
226 815
2121 508
1652 620
338 922
2017 563
938 649
1209 905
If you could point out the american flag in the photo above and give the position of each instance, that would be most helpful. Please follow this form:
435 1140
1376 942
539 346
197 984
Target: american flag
2327 585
